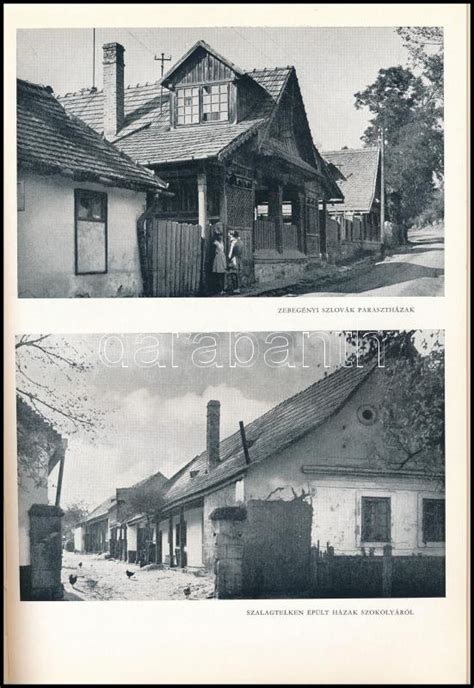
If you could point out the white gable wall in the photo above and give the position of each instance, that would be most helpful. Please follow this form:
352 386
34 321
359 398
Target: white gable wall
344 442
46 236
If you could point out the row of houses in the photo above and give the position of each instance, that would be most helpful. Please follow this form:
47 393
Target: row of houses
209 147
324 446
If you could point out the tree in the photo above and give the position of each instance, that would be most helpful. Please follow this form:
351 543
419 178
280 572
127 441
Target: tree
72 514
413 408
425 45
407 107
50 380
49 377
147 500
413 404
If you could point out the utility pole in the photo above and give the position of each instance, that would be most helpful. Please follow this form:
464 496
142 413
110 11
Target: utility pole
382 185
162 59
93 59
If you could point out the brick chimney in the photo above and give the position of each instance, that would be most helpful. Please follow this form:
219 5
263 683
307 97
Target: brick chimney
113 88
213 433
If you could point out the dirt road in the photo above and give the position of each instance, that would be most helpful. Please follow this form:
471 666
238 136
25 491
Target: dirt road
106 579
414 270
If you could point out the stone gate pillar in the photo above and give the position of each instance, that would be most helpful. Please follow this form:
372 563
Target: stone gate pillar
45 552
229 525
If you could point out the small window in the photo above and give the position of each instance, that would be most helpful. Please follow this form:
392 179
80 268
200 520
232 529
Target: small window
187 101
208 103
20 190
91 232
215 103
375 519
433 520
239 490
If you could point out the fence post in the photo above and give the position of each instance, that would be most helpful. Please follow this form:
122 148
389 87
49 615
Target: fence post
387 570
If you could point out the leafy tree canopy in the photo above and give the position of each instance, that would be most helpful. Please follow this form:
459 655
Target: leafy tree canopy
408 108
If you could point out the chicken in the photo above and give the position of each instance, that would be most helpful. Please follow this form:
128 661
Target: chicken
72 579
80 564
187 592
130 573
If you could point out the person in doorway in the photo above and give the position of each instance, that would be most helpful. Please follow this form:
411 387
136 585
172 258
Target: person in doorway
219 264
235 260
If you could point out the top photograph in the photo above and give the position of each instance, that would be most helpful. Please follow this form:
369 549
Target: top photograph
227 162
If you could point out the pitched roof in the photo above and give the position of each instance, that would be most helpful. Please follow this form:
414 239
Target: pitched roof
207 48
269 433
51 140
100 511
355 172
147 137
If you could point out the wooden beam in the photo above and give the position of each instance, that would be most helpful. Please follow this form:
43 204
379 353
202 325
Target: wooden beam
275 213
61 473
244 442
202 202
181 539
170 538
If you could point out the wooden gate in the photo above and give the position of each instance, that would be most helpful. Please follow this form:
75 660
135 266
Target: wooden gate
171 257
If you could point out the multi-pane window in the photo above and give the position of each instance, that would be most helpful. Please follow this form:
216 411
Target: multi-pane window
215 103
375 519
208 103
91 231
188 105
433 520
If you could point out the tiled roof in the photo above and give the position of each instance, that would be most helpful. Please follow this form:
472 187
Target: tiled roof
270 433
355 173
50 139
100 511
272 80
146 135
154 145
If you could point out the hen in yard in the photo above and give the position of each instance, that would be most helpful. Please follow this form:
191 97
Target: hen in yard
187 592
72 579
130 573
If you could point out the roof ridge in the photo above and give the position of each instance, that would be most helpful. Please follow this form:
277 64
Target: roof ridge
350 150
92 90
269 69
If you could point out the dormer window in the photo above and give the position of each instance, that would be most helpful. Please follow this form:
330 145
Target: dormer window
215 103
188 105
207 103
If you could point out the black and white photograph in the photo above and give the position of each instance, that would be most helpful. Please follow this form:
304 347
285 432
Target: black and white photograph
209 466
230 161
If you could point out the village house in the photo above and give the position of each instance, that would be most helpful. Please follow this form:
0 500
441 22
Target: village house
323 447
355 224
79 200
124 524
237 152
40 449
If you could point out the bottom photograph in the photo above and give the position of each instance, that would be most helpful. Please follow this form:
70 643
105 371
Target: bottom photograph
242 465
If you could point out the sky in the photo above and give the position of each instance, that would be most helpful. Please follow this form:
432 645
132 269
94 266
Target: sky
331 63
147 395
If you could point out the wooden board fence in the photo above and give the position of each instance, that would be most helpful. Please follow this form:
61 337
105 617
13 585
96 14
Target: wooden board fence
171 258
